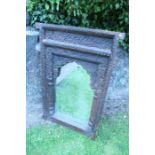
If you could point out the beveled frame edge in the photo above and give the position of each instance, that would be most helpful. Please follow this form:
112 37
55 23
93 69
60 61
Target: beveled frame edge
81 48
114 36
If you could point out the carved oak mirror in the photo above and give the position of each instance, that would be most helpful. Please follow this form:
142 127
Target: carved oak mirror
76 65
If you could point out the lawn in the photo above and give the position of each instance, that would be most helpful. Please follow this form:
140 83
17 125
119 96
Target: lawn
74 97
112 139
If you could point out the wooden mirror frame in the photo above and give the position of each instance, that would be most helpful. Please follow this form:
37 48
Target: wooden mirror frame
98 61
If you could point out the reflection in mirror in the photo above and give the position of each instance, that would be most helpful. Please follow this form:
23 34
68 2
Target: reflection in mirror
74 95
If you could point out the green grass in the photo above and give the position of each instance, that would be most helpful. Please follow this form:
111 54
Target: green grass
112 139
74 95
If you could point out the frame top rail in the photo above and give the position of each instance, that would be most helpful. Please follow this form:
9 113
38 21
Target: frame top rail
80 30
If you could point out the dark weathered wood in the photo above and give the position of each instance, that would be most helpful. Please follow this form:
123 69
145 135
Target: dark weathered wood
74 47
43 76
98 61
78 30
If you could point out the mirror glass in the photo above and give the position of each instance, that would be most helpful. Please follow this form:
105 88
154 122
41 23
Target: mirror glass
74 95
